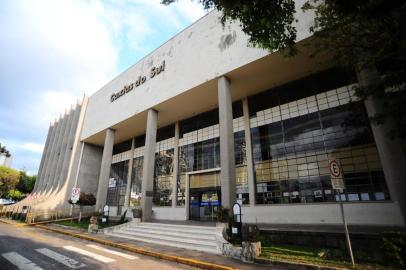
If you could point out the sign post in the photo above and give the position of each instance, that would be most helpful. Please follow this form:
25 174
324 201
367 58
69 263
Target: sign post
106 213
337 183
74 197
237 222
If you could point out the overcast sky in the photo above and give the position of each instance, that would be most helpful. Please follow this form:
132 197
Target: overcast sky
52 52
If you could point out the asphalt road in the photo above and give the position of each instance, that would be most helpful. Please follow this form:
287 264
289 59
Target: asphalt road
31 248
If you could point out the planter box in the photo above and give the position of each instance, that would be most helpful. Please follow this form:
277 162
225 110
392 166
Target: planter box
251 250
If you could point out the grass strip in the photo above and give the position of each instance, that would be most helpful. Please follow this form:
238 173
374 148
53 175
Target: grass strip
306 255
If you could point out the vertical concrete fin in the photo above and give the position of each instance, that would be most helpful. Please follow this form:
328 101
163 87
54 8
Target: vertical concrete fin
41 166
57 154
69 145
63 152
49 158
75 158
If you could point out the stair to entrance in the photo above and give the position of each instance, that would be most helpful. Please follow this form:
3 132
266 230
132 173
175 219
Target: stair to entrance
201 238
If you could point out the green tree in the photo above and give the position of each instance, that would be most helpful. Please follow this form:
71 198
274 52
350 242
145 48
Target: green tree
15 194
26 182
8 180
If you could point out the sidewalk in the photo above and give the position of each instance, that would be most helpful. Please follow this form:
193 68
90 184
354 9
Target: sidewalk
194 258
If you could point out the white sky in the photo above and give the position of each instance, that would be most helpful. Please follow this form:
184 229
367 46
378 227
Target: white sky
54 51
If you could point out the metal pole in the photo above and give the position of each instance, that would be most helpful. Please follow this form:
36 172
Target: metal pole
347 235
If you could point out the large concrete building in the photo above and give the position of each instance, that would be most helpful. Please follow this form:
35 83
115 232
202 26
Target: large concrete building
6 160
205 120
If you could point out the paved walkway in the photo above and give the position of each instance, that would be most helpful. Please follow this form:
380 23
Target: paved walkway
197 258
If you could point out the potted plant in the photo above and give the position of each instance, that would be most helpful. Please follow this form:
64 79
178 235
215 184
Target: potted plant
251 244
94 223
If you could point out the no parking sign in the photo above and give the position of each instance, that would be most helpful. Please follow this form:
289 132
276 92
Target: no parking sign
74 197
336 174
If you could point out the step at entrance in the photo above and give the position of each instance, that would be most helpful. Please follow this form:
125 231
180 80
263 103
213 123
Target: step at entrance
201 238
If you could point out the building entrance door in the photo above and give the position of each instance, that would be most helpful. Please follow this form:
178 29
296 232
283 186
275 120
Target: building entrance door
204 196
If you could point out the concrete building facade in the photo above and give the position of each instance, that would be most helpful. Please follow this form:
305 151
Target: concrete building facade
205 121
6 160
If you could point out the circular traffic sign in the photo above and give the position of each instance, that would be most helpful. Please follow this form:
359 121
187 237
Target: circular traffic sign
334 167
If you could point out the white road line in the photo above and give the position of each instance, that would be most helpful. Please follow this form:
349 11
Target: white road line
71 263
127 256
89 254
21 262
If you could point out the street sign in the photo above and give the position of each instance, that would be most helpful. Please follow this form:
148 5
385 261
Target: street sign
335 168
112 182
106 210
336 174
337 182
74 197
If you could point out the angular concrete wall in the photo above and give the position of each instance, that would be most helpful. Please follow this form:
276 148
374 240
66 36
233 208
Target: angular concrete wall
43 159
59 163
90 168
47 166
68 146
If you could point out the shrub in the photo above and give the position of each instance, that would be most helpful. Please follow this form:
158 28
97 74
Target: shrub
15 194
223 214
394 245
137 213
250 233
85 199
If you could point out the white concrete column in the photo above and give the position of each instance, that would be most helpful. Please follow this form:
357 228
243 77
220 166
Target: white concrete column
69 146
248 152
148 165
227 157
104 175
62 149
129 176
43 158
392 155
175 165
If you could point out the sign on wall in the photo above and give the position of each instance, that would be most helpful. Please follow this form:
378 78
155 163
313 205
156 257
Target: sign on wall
112 183
140 80
336 174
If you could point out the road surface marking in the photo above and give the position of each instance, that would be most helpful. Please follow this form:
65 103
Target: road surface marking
60 258
127 256
21 262
89 254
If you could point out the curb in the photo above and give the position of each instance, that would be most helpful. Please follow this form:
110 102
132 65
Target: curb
13 223
181 260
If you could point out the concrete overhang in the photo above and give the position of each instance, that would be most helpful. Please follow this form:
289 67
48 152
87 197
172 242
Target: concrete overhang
270 71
